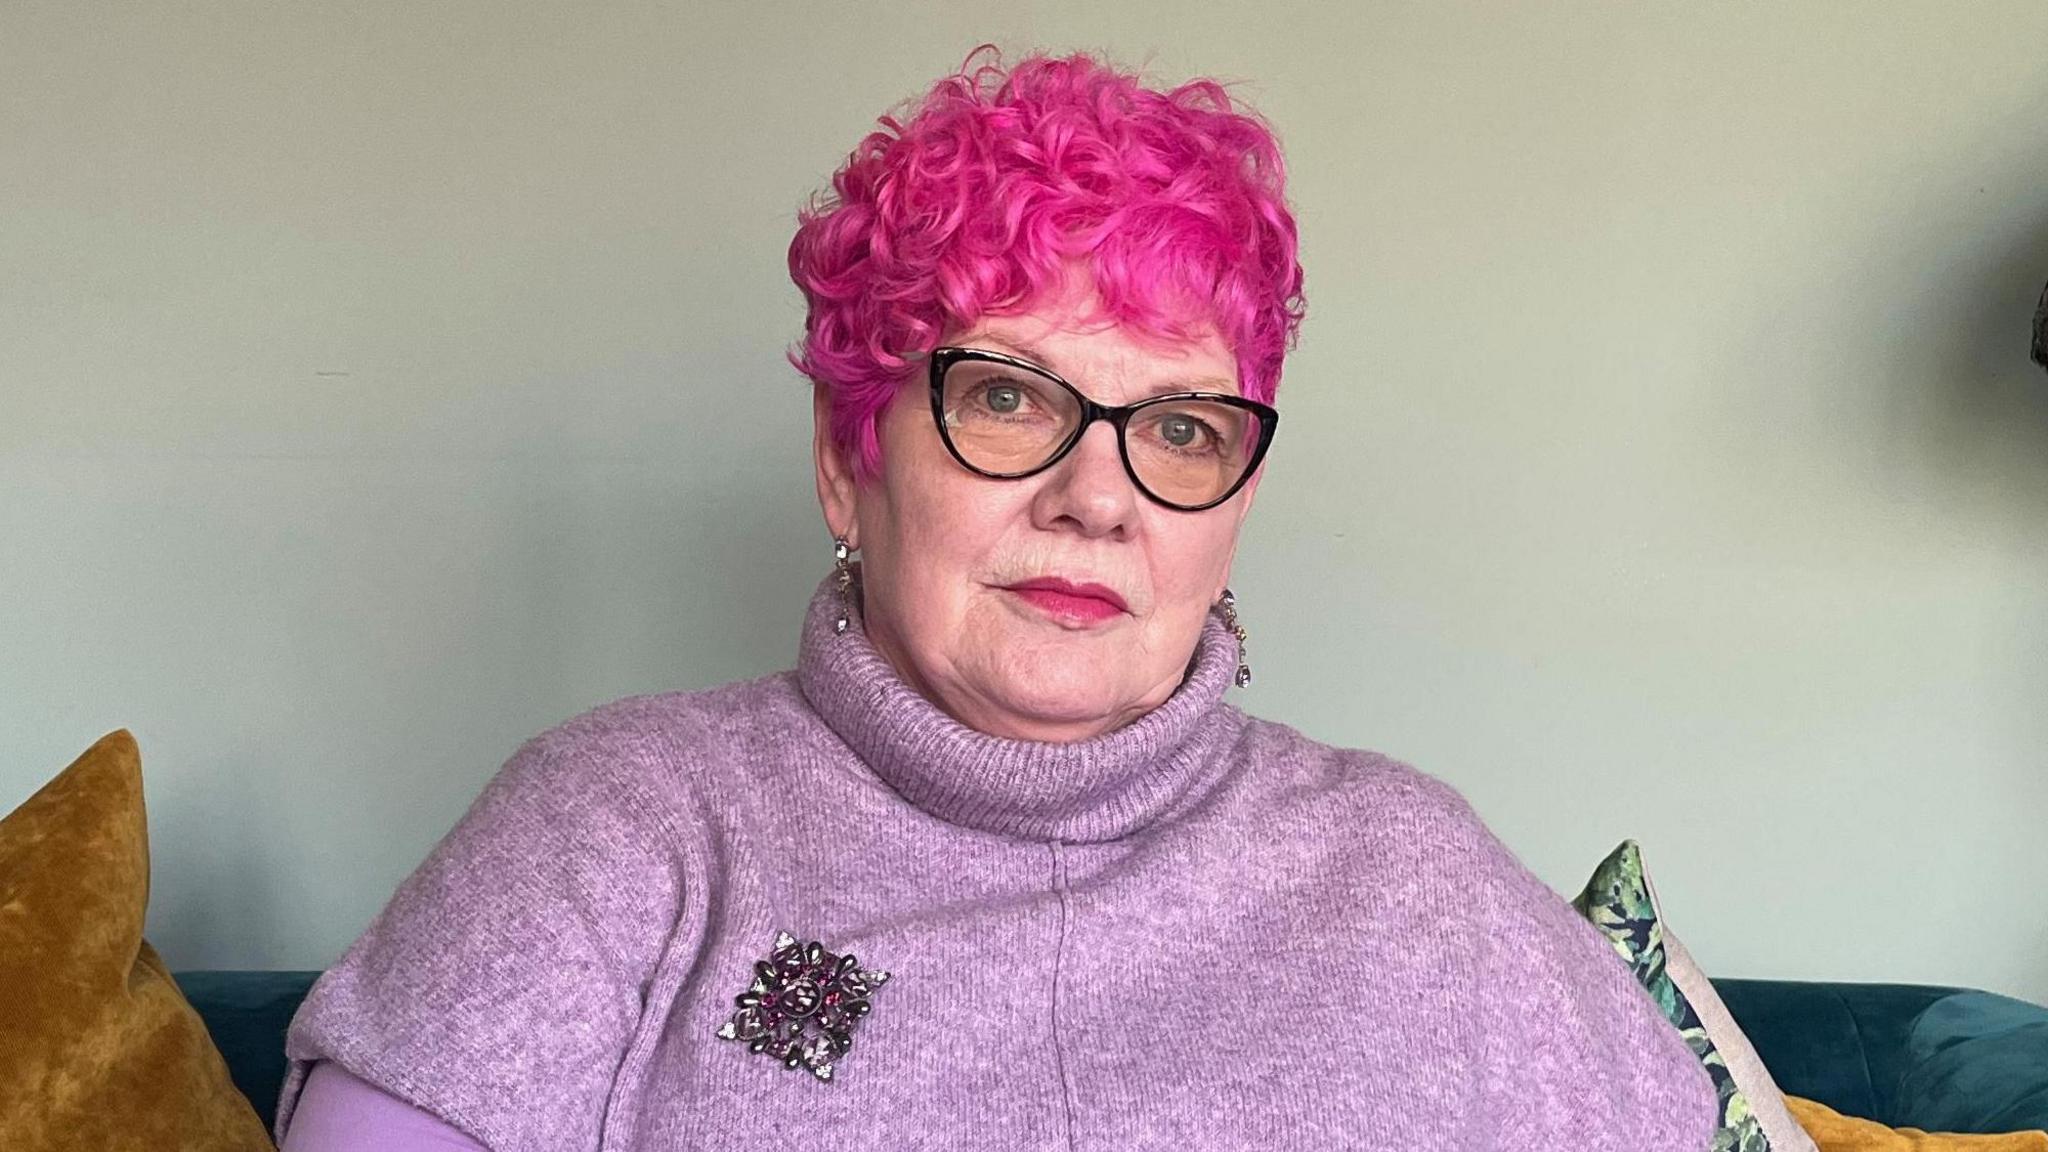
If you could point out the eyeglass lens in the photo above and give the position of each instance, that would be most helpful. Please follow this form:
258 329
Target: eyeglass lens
1008 421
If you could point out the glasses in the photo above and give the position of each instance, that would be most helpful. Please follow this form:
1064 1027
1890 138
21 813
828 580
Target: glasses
1007 418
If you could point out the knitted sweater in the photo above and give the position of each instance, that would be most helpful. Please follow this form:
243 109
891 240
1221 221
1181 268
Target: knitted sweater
1199 931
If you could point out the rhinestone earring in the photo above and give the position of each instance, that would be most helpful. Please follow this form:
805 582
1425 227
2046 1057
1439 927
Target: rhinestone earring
1228 603
841 562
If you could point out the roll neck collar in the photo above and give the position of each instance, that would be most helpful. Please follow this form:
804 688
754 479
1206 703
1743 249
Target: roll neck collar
1089 790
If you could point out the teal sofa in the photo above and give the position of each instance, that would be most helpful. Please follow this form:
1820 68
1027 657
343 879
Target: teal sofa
1942 1059
1907 1055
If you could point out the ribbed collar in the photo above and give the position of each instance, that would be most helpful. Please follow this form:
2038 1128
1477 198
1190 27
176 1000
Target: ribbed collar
1085 791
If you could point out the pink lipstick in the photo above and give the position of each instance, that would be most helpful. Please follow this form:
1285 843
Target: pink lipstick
1074 603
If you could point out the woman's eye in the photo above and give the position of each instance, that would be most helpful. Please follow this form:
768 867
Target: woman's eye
1004 398
1184 432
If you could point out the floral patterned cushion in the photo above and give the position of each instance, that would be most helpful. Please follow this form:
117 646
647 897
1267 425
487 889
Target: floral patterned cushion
1618 901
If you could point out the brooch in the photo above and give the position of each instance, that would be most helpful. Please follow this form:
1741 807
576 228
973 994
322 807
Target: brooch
804 1005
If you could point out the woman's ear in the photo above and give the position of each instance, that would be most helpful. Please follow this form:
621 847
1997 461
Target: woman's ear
838 495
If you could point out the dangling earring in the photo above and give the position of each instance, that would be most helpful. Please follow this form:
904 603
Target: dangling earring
1228 603
841 550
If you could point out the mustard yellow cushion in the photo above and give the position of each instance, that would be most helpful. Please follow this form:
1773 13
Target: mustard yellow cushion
1834 1132
98 1049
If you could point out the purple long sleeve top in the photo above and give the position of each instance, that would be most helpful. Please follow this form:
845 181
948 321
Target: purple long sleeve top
1199 931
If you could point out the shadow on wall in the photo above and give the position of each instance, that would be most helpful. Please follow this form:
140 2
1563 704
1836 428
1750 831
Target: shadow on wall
1985 380
2041 330
1989 403
1881 381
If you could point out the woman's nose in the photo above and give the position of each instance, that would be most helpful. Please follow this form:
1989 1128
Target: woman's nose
1089 489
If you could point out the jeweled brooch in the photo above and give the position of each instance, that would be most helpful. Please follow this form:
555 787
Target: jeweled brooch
804 1005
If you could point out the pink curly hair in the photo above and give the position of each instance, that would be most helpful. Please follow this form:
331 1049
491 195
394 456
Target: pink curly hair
983 195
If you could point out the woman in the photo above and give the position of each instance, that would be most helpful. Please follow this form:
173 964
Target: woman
996 866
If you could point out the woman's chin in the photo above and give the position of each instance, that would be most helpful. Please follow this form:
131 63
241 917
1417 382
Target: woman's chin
1061 717
1053 699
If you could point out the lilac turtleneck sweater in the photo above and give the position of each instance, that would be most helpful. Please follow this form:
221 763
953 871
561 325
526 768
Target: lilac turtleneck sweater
1200 931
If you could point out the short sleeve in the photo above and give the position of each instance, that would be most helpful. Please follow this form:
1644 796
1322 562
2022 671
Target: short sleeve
500 987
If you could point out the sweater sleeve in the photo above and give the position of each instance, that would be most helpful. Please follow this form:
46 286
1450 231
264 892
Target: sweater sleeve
502 985
1574 1052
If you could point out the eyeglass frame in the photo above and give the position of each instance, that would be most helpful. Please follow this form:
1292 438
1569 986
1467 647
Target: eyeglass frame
1118 416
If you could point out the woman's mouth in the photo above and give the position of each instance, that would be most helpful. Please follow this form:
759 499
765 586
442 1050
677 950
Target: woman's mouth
1068 602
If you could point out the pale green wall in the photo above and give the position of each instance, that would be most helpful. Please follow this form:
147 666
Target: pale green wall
1661 458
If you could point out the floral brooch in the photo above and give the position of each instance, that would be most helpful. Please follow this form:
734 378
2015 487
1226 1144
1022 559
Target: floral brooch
804 1005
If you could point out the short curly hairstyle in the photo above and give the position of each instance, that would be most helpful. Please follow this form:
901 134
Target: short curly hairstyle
978 198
